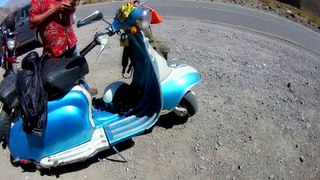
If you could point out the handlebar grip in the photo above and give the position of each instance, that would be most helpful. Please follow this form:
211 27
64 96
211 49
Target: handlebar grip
88 48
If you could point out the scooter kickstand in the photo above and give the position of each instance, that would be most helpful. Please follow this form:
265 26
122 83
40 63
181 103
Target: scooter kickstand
124 159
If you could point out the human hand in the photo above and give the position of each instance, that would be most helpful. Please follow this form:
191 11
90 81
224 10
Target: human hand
63 6
73 2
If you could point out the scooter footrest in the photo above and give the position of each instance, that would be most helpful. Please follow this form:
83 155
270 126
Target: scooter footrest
126 128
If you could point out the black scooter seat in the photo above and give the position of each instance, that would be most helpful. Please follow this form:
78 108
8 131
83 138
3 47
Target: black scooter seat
59 75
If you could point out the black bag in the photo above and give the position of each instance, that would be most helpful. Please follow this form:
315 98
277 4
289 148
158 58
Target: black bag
31 95
126 55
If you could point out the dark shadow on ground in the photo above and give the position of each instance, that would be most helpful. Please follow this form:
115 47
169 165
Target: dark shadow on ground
169 120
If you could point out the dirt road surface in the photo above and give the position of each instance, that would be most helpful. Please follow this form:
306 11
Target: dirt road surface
258 113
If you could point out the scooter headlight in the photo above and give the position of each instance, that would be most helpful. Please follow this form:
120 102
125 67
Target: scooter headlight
144 19
11 44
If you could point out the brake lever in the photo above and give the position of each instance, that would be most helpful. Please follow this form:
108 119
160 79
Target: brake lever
102 38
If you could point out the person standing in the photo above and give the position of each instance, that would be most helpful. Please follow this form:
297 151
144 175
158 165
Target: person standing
53 20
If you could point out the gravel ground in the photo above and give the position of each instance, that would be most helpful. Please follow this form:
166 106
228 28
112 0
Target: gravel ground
258 111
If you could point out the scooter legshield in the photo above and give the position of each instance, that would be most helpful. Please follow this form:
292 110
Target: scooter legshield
144 115
68 125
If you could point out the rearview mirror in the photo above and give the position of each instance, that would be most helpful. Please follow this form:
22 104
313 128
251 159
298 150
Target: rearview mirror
93 17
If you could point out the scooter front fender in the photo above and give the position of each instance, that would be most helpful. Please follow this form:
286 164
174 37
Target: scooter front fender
180 81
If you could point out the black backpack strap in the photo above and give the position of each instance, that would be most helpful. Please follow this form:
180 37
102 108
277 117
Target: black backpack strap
126 67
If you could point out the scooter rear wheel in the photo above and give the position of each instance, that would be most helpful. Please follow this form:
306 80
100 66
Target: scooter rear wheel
4 126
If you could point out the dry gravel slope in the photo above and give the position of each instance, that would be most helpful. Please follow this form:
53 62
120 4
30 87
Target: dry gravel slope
258 116
258 111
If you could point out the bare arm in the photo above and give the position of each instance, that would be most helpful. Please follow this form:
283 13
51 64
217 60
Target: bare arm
34 22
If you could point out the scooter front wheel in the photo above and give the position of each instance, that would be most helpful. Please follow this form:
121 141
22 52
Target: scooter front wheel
188 106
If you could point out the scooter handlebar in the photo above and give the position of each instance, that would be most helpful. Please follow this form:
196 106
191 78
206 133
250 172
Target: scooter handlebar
95 42
88 48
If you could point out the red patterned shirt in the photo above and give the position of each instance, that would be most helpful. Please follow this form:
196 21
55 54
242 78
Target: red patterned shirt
56 32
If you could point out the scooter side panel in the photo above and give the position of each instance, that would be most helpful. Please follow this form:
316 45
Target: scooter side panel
177 84
67 126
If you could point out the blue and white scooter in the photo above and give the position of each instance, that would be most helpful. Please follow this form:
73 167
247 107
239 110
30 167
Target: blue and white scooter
78 127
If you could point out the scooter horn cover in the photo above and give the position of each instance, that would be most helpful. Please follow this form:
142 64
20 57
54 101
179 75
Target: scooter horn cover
156 18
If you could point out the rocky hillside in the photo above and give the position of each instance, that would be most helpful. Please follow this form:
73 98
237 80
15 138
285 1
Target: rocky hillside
303 16
3 13
312 5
